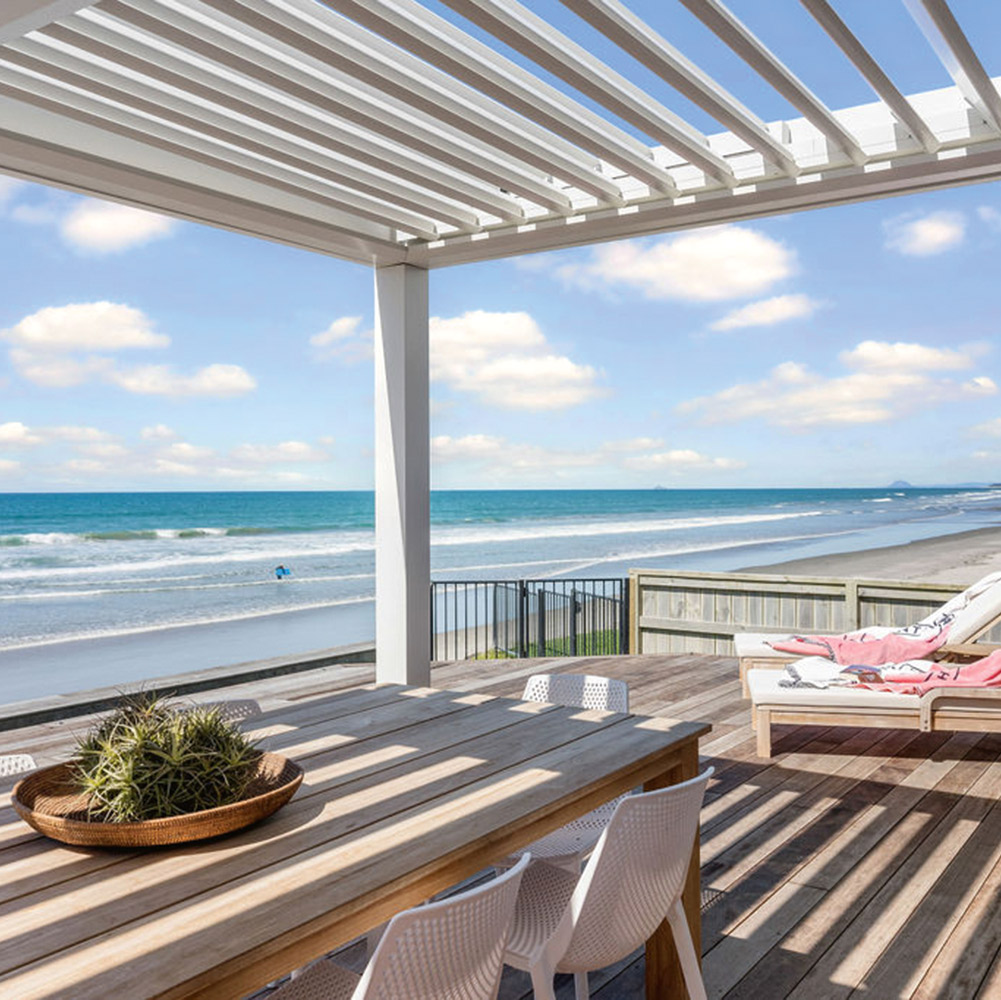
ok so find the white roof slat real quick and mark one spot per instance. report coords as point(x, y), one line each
point(328, 37)
point(105, 39)
point(46, 146)
point(334, 92)
point(953, 48)
point(432, 38)
point(18, 17)
point(846, 40)
point(529, 34)
point(722, 22)
point(91, 109)
point(47, 56)
point(633, 35)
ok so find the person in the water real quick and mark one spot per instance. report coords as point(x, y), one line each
point(281, 572)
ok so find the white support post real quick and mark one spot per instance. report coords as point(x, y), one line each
point(402, 477)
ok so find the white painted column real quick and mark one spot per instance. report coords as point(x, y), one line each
point(402, 476)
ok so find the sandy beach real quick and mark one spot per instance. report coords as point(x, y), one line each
point(960, 558)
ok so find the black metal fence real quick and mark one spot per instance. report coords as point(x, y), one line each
point(474, 619)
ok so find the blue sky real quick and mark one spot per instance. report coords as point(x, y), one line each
point(843, 347)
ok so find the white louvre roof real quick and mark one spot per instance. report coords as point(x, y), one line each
point(382, 132)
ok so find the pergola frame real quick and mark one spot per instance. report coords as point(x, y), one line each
point(378, 132)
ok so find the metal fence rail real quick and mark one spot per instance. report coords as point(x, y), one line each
point(514, 618)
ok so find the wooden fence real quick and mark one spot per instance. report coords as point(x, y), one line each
point(679, 612)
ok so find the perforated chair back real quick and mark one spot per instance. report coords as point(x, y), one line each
point(449, 950)
point(578, 691)
point(635, 875)
point(234, 710)
point(15, 763)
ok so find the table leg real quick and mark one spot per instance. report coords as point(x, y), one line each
point(664, 979)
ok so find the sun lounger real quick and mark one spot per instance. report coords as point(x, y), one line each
point(977, 609)
point(945, 709)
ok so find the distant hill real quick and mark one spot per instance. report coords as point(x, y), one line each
point(900, 484)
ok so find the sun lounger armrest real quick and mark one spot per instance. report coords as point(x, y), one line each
point(931, 699)
point(966, 650)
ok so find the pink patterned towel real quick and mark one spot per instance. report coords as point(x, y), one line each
point(982, 673)
point(864, 649)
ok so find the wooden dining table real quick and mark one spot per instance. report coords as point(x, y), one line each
point(407, 791)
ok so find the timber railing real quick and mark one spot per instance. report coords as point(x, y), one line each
point(679, 612)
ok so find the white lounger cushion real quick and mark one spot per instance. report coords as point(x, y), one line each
point(765, 690)
point(984, 606)
point(758, 643)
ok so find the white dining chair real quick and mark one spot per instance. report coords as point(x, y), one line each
point(16, 763)
point(448, 950)
point(633, 881)
point(570, 844)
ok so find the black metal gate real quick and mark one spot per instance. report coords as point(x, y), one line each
point(486, 619)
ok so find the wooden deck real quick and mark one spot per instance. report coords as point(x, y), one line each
point(855, 863)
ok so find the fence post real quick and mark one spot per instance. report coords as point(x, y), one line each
point(573, 621)
point(852, 609)
point(522, 617)
point(540, 625)
point(635, 644)
point(626, 592)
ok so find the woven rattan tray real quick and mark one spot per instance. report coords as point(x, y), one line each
point(50, 801)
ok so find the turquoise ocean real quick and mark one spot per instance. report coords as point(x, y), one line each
point(80, 566)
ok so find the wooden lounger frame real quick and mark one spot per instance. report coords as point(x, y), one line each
point(946, 709)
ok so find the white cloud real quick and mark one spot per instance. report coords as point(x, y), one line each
point(104, 449)
point(84, 326)
point(499, 459)
point(168, 467)
point(17, 435)
point(9, 465)
point(79, 435)
point(158, 432)
point(680, 460)
point(932, 234)
point(709, 265)
point(89, 466)
point(104, 227)
point(184, 452)
point(991, 428)
point(795, 397)
point(882, 356)
point(287, 451)
point(768, 312)
point(506, 360)
point(343, 340)
point(162, 380)
point(989, 215)
point(8, 187)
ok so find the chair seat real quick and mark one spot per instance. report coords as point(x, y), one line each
point(542, 901)
point(323, 980)
point(567, 845)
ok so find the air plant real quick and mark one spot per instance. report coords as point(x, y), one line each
point(150, 759)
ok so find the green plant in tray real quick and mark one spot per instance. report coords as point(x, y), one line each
point(150, 759)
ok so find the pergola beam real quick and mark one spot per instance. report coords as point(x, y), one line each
point(614, 20)
point(18, 17)
point(332, 91)
point(400, 75)
point(529, 34)
point(848, 42)
point(458, 53)
point(722, 22)
point(946, 37)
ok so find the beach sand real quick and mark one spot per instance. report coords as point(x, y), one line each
point(961, 559)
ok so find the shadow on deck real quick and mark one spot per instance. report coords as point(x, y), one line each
point(855, 862)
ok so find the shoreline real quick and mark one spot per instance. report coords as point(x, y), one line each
point(63, 666)
point(959, 558)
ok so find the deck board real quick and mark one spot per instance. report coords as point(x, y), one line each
point(854, 863)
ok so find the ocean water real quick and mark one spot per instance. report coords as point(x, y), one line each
point(76, 566)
